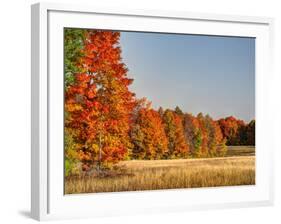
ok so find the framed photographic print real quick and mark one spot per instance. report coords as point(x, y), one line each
point(146, 111)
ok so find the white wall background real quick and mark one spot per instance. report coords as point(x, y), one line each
point(15, 110)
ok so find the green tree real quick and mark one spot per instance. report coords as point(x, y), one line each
point(161, 111)
point(73, 51)
point(72, 163)
point(251, 127)
point(178, 111)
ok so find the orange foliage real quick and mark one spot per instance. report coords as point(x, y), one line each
point(231, 128)
point(149, 133)
point(105, 123)
point(99, 103)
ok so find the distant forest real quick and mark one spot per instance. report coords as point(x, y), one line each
point(106, 123)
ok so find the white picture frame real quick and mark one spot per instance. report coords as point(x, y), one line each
point(47, 198)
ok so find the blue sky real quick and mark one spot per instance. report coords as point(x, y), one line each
point(210, 74)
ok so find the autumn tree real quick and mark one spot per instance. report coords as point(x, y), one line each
point(148, 135)
point(73, 45)
point(204, 134)
point(231, 129)
point(211, 132)
point(178, 148)
point(136, 133)
point(193, 134)
point(216, 142)
point(81, 109)
point(99, 102)
point(181, 145)
point(221, 148)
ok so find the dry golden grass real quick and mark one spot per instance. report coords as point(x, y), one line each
point(170, 174)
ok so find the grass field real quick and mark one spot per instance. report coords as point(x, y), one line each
point(237, 168)
point(240, 151)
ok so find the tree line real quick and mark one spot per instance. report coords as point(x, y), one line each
point(105, 122)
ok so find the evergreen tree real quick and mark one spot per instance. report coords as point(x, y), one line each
point(178, 111)
point(161, 111)
point(251, 127)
